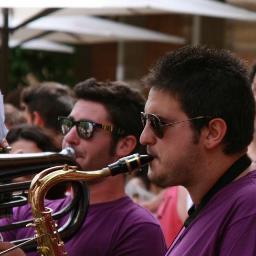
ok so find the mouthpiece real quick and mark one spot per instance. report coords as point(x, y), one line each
point(68, 152)
point(129, 163)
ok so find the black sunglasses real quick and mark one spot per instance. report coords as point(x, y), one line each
point(84, 128)
point(158, 126)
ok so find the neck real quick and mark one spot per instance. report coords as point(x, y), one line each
point(209, 175)
point(107, 190)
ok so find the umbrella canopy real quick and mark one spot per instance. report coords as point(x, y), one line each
point(209, 8)
point(88, 29)
point(43, 45)
point(69, 8)
point(30, 25)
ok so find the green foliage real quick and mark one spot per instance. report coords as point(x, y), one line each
point(44, 66)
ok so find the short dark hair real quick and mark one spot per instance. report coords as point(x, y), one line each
point(32, 133)
point(209, 82)
point(123, 104)
point(51, 100)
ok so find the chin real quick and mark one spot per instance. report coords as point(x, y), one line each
point(158, 180)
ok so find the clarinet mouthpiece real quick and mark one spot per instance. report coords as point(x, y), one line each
point(129, 163)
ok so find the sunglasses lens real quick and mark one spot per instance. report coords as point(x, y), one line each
point(155, 124)
point(85, 129)
point(66, 125)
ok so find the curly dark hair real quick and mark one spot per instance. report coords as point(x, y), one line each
point(123, 104)
point(209, 82)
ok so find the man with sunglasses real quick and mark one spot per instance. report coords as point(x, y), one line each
point(103, 126)
point(198, 122)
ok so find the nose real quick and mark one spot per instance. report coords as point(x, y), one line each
point(147, 136)
point(71, 138)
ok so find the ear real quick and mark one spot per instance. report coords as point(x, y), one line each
point(37, 119)
point(126, 145)
point(214, 133)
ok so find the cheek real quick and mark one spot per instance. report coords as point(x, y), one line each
point(64, 143)
point(93, 155)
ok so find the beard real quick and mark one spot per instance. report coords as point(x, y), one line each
point(176, 169)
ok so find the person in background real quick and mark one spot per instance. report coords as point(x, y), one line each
point(3, 144)
point(43, 103)
point(170, 206)
point(171, 211)
point(104, 126)
point(3, 128)
point(16, 252)
point(27, 138)
point(13, 116)
point(139, 188)
point(198, 123)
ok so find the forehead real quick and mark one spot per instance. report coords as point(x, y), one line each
point(26, 146)
point(162, 103)
point(84, 109)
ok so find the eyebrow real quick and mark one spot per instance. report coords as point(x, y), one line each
point(165, 120)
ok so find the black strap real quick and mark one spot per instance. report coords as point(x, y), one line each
point(234, 171)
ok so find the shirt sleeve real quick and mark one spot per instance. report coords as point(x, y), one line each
point(240, 239)
point(6, 235)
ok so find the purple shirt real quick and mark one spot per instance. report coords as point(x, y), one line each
point(226, 226)
point(115, 228)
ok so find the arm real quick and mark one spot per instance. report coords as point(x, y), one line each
point(16, 252)
point(7, 235)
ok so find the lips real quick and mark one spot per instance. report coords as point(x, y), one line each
point(77, 153)
point(151, 153)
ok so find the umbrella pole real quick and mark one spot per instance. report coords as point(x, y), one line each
point(4, 71)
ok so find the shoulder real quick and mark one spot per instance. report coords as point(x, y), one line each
point(137, 227)
point(240, 191)
point(136, 213)
point(126, 215)
point(244, 189)
point(236, 201)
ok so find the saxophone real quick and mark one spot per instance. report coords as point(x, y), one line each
point(48, 239)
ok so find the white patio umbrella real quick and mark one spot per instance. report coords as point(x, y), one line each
point(88, 29)
point(78, 29)
point(209, 8)
point(42, 45)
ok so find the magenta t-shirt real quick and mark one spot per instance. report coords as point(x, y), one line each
point(115, 228)
point(226, 226)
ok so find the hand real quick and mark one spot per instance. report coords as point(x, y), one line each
point(16, 252)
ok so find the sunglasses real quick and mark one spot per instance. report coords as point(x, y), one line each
point(158, 126)
point(84, 128)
